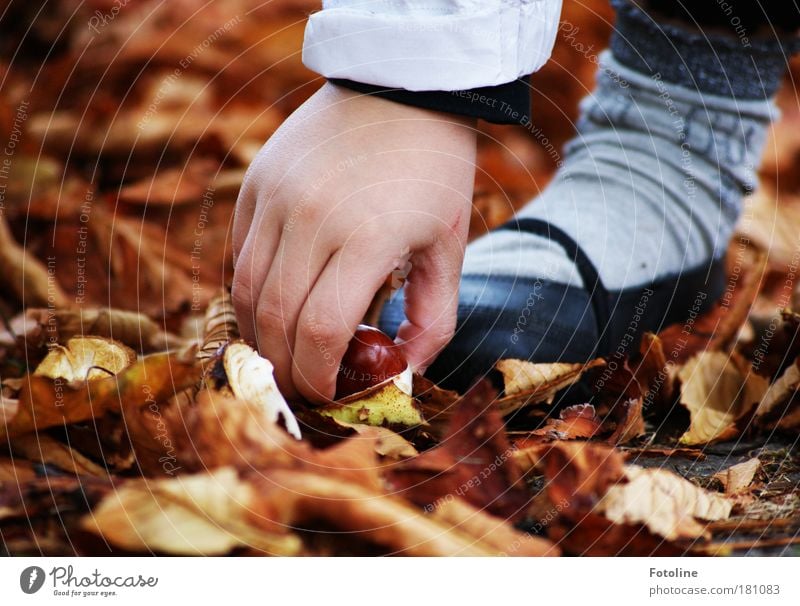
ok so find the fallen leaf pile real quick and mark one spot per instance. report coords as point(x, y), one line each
point(134, 419)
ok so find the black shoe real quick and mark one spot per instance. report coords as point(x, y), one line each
point(544, 321)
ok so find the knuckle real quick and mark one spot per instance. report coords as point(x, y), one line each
point(242, 293)
point(321, 330)
point(269, 317)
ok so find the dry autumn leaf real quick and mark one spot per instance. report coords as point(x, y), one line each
point(45, 402)
point(25, 275)
point(85, 359)
point(387, 442)
point(574, 422)
point(738, 478)
point(474, 461)
point(250, 379)
point(48, 451)
point(778, 407)
point(204, 514)
point(718, 389)
point(390, 404)
point(529, 383)
point(665, 503)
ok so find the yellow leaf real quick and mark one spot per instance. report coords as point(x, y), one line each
point(85, 359)
point(203, 514)
point(530, 383)
point(667, 504)
point(738, 477)
point(718, 389)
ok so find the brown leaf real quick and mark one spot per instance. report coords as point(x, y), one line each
point(578, 474)
point(619, 400)
point(778, 407)
point(131, 328)
point(474, 461)
point(529, 383)
point(437, 404)
point(387, 443)
point(655, 374)
point(718, 389)
point(492, 530)
point(49, 451)
point(41, 496)
point(771, 225)
point(668, 505)
point(574, 422)
point(251, 380)
point(27, 277)
point(173, 186)
point(219, 326)
point(14, 472)
point(47, 403)
point(85, 359)
point(737, 478)
point(274, 487)
point(718, 326)
point(204, 514)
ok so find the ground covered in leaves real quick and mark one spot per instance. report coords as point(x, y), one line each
point(133, 420)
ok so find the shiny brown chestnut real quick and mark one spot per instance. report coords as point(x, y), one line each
point(371, 359)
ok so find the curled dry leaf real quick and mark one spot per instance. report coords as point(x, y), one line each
point(25, 275)
point(387, 442)
point(437, 404)
point(85, 359)
point(474, 461)
point(665, 503)
point(129, 327)
point(718, 389)
point(574, 422)
point(717, 328)
point(738, 478)
point(619, 400)
point(46, 402)
point(492, 530)
point(390, 404)
point(772, 226)
point(204, 514)
point(577, 476)
point(49, 451)
point(219, 326)
point(778, 408)
point(529, 383)
point(172, 186)
point(14, 472)
point(250, 379)
point(655, 373)
point(260, 488)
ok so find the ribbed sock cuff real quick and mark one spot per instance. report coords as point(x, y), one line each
point(727, 65)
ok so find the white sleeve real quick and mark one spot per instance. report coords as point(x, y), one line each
point(431, 44)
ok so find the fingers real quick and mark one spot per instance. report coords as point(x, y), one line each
point(431, 302)
point(297, 264)
point(334, 308)
point(250, 271)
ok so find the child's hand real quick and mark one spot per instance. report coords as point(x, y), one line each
point(344, 192)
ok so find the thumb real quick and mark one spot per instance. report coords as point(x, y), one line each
point(431, 303)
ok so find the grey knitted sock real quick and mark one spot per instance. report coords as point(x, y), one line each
point(667, 147)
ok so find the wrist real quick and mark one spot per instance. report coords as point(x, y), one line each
point(379, 106)
point(502, 104)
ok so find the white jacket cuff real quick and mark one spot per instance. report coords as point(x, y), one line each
point(435, 45)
